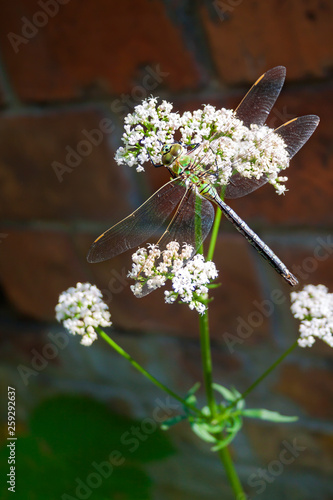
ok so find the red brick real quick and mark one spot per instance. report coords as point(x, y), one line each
point(29, 146)
point(310, 388)
point(35, 267)
point(247, 38)
point(95, 49)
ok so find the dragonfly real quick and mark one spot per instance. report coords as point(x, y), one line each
point(189, 196)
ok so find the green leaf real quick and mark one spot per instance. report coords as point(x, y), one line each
point(235, 426)
point(71, 437)
point(194, 389)
point(203, 434)
point(272, 416)
point(228, 395)
point(224, 442)
point(172, 421)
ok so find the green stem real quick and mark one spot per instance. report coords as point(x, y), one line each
point(207, 361)
point(225, 457)
point(144, 372)
point(224, 453)
point(265, 374)
point(215, 232)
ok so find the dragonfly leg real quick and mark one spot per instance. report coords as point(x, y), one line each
point(156, 165)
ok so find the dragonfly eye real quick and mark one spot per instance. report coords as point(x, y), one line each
point(166, 149)
point(167, 159)
point(176, 150)
point(170, 152)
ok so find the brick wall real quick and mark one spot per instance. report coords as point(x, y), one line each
point(70, 68)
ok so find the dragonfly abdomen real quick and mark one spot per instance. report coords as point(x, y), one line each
point(253, 238)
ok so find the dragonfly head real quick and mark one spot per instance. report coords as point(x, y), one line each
point(170, 152)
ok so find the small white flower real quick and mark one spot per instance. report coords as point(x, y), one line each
point(81, 310)
point(313, 306)
point(189, 277)
point(254, 151)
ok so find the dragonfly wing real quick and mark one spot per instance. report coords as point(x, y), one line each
point(139, 226)
point(258, 102)
point(295, 133)
point(190, 224)
point(239, 185)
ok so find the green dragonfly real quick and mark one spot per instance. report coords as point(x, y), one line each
point(190, 192)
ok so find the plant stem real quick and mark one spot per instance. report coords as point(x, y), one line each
point(225, 457)
point(215, 232)
point(144, 372)
point(264, 375)
point(224, 453)
point(207, 361)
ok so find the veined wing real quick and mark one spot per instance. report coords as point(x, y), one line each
point(138, 226)
point(258, 102)
point(254, 109)
point(256, 105)
point(295, 133)
point(190, 224)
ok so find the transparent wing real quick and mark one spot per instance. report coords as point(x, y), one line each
point(138, 226)
point(295, 133)
point(256, 105)
point(254, 109)
point(258, 102)
point(190, 224)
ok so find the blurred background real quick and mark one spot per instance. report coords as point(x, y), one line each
point(66, 66)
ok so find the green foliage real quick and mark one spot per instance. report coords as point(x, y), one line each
point(76, 446)
point(223, 426)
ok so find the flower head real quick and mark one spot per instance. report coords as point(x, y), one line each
point(189, 276)
point(314, 307)
point(254, 151)
point(81, 310)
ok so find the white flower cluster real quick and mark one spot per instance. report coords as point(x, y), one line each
point(189, 276)
point(314, 307)
point(155, 124)
point(81, 310)
point(253, 151)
